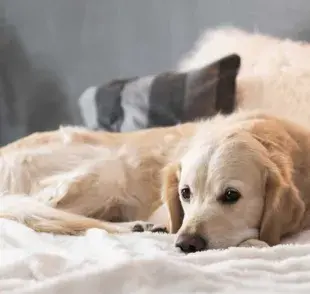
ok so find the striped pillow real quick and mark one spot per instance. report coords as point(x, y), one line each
point(162, 100)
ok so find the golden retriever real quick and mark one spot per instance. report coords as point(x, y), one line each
point(237, 180)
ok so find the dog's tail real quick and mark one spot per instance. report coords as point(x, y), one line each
point(43, 218)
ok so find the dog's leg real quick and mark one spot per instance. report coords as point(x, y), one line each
point(141, 226)
point(253, 243)
point(159, 217)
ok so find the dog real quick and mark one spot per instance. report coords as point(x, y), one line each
point(237, 180)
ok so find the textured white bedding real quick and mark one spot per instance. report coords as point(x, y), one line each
point(143, 263)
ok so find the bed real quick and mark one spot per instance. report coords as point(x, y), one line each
point(144, 263)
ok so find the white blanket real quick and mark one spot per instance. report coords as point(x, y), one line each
point(143, 263)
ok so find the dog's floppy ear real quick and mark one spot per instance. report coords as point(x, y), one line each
point(283, 208)
point(170, 196)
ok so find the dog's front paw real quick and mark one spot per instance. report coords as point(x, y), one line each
point(253, 243)
point(148, 227)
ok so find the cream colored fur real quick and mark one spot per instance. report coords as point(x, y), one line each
point(274, 74)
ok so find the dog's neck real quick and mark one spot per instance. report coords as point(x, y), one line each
point(301, 164)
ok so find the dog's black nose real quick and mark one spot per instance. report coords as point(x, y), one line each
point(191, 243)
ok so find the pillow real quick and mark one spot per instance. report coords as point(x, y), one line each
point(165, 99)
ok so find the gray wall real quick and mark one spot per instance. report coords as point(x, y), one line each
point(60, 47)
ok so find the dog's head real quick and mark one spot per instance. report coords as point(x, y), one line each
point(233, 186)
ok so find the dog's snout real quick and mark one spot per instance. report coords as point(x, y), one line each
point(191, 243)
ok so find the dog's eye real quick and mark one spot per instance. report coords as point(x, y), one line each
point(230, 196)
point(186, 193)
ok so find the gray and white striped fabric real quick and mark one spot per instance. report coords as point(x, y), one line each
point(162, 100)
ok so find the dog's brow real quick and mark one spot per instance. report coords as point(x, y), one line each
point(201, 173)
